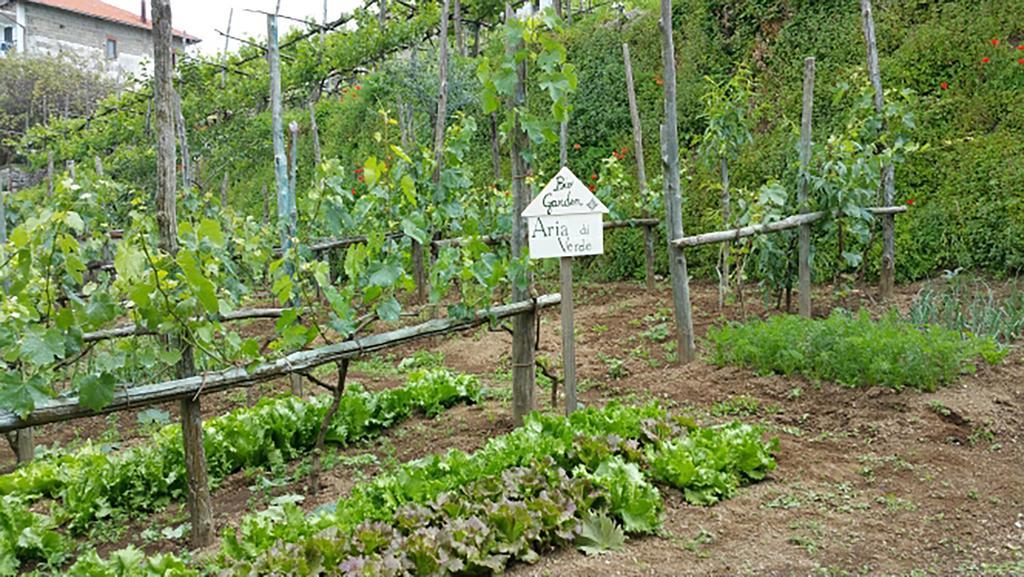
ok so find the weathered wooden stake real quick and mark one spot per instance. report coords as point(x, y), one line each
point(49, 173)
point(887, 185)
point(805, 163)
point(419, 255)
point(649, 256)
point(568, 334)
point(673, 201)
point(286, 216)
point(315, 130)
point(71, 169)
point(186, 158)
point(638, 151)
point(723, 279)
point(224, 191)
point(24, 445)
point(634, 117)
point(495, 148)
point(460, 40)
point(98, 165)
point(199, 503)
point(224, 55)
point(523, 361)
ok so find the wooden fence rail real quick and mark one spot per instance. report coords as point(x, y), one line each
point(69, 408)
point(779, 225)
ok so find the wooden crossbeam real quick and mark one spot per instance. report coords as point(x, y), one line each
point(129, 397)
point(779, 225)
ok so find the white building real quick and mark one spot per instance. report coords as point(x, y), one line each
point(112, 39)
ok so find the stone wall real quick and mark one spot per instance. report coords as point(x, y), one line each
point(21, 178)
point(53, 31)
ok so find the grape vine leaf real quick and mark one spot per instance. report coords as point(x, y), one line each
point(96, 391)
point(40, 347)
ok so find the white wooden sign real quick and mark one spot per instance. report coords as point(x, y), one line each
point(565, 219)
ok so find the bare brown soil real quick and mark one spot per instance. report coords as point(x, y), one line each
point(869, 481)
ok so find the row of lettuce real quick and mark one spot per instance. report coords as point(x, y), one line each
point(590, 479)
point(94, 484)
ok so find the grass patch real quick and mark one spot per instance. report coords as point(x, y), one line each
point(853, 350)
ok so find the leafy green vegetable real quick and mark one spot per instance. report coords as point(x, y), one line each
point(600, 534)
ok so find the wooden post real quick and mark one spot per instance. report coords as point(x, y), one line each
point(568, 334)
point(887, 185)
point(460, 39)
point(673, 202)
point(805, 163)
point(186, 158)
point(266, 204)
point(634, 117)
point(277, 133)
point(199, 504)
point(523, 367)
point(49, 173)
point(649, 256)
point(418, 254)
point(495, 148)
point(98, 165)
point(224, 191)
point(314, 130)
point(723, 279)
point(71, 169)
point(294, 378)
point(285, 186)
point(224, 56)
point(24, 445)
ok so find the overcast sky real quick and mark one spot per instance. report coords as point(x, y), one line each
point(201, 17)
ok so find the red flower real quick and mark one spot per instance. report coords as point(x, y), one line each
point(359, 170)
point(576, 146)
point(593, 188)
point(910, 202)
point(358, 87)
point(995, 42)
point(361, 179)
point(944, 85)
point(1020, 61)
point(593, 177)
point(1021, 47)
point(353, 192)
point(624, 151)
point(659, 81)
point(985, 60)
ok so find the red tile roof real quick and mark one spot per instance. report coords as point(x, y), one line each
point(104, 11)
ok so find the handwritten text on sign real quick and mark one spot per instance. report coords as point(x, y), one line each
point(564, 220)
point(567, 235)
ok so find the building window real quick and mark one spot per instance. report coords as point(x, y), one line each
point(111, 49)
point(9, 34)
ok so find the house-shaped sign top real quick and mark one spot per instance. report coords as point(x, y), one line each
point(564, 195)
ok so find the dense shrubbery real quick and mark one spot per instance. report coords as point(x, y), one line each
point(852, 350)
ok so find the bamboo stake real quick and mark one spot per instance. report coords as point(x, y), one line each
point(199, 503)
point(805, 162)
point(673, 202)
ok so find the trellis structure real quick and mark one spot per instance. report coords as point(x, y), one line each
point(801, 221)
